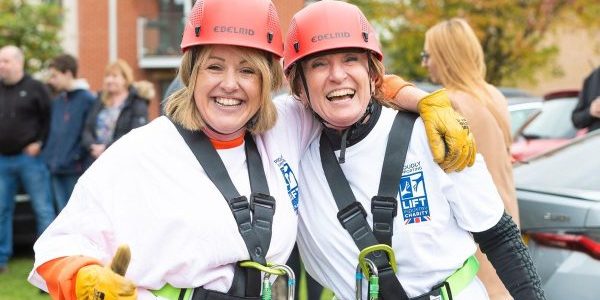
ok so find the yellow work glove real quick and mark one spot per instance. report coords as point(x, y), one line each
point(95, 282)
point(450, 139)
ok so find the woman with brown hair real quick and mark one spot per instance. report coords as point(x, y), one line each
point(369, 185)
point(121, 108)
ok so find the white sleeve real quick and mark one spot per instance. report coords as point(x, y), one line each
point(473, 197)
point(81, 228)
point(297, 122)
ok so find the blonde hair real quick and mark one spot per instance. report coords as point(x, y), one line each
point(122, 67)
point(458, 54)
point(376, 72)
point(460, 64)
point(181, 107)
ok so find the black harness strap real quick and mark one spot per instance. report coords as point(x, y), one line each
point(384, 206)
point(256, 232)
point(352, 214)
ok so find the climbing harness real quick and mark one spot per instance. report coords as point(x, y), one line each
point(376, 256)
point(384, 206)
point(255, 230)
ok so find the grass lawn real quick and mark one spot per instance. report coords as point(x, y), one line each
point(14, 285)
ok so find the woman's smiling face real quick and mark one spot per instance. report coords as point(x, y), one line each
point(227, 92)
point(338, 86)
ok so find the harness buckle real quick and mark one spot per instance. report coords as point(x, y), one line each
point(442, 285)
point(351, 211)
point(385, 203)
point(238, 204)
point(263, 200)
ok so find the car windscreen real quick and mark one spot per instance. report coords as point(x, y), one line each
point(554, 121)
point(575, 166)
point(520, 117)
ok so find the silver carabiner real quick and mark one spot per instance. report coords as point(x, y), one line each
point(359, 276)
point(291, 280)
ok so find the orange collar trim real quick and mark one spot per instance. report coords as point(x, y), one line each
point(219, 145)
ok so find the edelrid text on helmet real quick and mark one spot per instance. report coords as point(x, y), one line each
point(247, 23)
point(329, 36)
point(328, 25)
point(232, 29)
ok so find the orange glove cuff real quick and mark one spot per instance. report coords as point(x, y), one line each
point(392, 84)
point(60, 274)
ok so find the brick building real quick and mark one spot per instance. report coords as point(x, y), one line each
point(145, 33)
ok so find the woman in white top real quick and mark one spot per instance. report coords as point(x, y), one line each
point(431, 219)
point(185, 221)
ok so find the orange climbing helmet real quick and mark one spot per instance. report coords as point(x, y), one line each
point(327, 25)
point(248, 23)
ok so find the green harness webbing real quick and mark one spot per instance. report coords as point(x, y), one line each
point(170, 292)
point(462, 277)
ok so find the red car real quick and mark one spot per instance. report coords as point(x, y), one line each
point(549, 128)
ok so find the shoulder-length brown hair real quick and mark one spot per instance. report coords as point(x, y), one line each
point(181, 107)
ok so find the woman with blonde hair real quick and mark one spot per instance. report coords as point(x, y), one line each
point(197, 191)
point(454, 58)
point(120, 108)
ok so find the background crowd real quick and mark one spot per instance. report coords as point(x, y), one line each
point(51, 132)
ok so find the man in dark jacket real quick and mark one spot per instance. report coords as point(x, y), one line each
point(24, 123)
point(63, 152)
point(587, 112)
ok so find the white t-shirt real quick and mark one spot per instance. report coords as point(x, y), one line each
point(431, 231)
point(149, 191)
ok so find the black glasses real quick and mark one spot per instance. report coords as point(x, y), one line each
point(424, 56)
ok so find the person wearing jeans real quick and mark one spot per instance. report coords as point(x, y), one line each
point(35, 178)
point(65, 156)
point(24, 123)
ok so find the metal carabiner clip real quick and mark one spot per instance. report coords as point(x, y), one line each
point(372, 276)
point(291, 280)
point(273, 269)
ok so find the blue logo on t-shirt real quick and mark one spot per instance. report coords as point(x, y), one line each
point(290, 181)
point(415, 207)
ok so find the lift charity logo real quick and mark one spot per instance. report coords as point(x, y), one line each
point(413, 198)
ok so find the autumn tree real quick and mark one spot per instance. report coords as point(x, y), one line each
point(511, 32)
point(34, 27)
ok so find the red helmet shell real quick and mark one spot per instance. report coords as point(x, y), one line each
point(328, 25)
point(247, 23)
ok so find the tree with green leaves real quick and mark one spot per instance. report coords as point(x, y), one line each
point(34, 27)
point(512, 32)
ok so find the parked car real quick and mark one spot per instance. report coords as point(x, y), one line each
point(559, 203)
point(521, 110)
point(549, 128)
